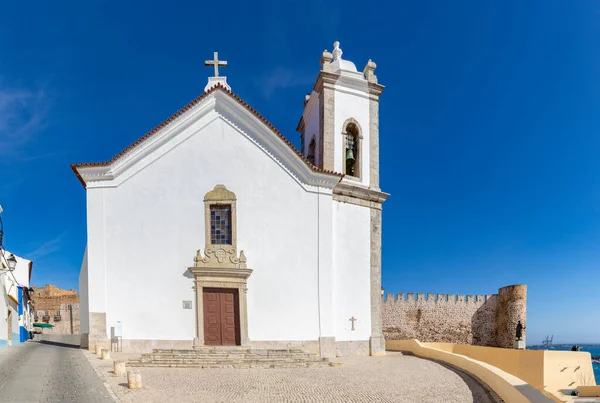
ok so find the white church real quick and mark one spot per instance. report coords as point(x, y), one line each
point(213, 229)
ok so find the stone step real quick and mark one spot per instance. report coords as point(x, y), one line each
point(248, 356)
point(228, 350)
point(216, 360)
point(240, 365)
point(229, 357)
point(187, 359)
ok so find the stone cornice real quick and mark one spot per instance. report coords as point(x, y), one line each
point(376, 89)
point(345, 83)
point(359, 195)
point(219, 272)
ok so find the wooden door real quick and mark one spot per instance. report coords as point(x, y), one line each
point(221, 317)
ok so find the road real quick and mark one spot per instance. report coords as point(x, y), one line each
point(49, 372)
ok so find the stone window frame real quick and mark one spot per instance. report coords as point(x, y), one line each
point(221, 196)
point(358, 137)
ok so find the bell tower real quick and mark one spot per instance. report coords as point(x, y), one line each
point(340, 124)
point(340, 132)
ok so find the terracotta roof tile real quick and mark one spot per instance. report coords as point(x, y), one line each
point(165, 123)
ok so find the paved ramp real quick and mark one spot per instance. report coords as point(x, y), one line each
point(49, 372)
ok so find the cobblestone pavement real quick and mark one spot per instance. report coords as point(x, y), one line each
point(391, 378)
point(43, 372)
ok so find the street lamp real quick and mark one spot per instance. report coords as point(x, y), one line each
point(31, 291)
point(12, 262)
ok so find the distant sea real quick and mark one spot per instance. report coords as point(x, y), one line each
point(595, 351)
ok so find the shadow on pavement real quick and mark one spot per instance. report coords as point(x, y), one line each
point(57, 344)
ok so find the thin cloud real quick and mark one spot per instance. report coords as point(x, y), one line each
point(47, 248)
point(22, 114)
point(282, 78)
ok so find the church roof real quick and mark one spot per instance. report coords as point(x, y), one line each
point(175, 116)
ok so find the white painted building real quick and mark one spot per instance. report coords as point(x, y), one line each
point(214, 229)
point(16, 311)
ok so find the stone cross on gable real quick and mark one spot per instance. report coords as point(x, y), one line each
point(215, 63)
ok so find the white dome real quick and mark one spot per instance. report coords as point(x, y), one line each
point(338, 63)
point(344, 65)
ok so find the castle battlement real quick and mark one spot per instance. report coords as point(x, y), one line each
point(481, 319)
point(435, 298)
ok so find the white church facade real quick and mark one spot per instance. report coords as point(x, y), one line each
point(213, 229)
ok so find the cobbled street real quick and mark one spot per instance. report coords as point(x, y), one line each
point(394, 378)
point(44, 372)
point(53, 372)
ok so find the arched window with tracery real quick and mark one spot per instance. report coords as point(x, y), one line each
point(352, 150)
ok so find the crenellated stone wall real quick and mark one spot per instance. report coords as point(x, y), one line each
point(483, 320)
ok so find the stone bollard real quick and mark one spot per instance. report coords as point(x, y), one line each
point(134, 379)
point(92, 348)
point(98, 349)
point(119, 368)
point(105, 354)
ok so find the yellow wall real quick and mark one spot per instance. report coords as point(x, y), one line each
point(547, 371)
point(589, 391)
point(525, 364)
point(567, 370)
point(503, 384)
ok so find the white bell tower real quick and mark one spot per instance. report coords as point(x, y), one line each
point(340, 123)
point(340, 132)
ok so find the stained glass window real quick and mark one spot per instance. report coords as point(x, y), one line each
point(220, 224)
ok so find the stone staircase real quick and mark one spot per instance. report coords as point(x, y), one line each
point(230, 357)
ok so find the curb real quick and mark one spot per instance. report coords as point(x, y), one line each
point(106, 385)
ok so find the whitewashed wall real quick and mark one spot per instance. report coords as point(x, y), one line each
point(146, 232)
point(311, 126)
point(351, 105)
point(14, 307)
point(9, 286)
point(96, 277)
point(3, 313)
point(84, 305)
point(21, 272)
point(352, 271)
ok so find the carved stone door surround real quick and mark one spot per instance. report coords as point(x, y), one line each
point(220, 266)
point(229, 273)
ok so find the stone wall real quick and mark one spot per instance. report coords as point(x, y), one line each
point(488, 320)
point(65, 323)
point(61, 307)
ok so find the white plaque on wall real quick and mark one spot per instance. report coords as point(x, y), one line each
point(187, 304)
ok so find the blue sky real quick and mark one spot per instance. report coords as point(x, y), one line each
point(489, 126)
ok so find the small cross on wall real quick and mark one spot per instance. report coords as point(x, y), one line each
point(352, 319)
point(215, 63)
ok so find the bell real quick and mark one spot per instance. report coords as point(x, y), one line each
point(350, 157)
